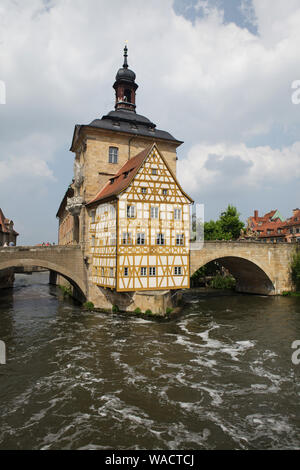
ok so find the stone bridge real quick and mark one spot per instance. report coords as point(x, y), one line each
point(67, 261)
point(259, 268)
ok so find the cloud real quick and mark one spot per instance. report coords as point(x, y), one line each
point(223, 89)
point(27, 159)
point(248, 177)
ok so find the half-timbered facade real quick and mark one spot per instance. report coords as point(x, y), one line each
point(139, 228)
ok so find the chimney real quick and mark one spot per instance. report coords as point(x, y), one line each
point(255, 214)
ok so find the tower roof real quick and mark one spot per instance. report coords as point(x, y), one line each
point(125, 74)
point(124, 118)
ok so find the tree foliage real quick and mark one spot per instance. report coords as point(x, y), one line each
point(227, 227)
point(296, 270)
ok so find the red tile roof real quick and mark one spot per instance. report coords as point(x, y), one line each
point(122, 179)
point(4, 224)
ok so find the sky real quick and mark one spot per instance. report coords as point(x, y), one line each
point(216, 74)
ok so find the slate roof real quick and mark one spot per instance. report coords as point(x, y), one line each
point(128, 122)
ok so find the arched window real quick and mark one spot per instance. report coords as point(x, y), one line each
point(127, 95)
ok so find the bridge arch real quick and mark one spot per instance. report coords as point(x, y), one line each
point(251, 276)
point(73, 279)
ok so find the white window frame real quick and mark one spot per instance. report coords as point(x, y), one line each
point(140, 238)
point(180, 239)
point(126, 238)
point(177, 213)
point(113, 155)
point(154, 212)
point(160, 239)
point(130, 211)
point(177, 271)
point(152, 270)
point(143, 271)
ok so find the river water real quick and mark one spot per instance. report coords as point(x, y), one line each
point(219, 376)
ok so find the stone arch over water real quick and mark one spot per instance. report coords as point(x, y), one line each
point(76, 282)
point(250, 277)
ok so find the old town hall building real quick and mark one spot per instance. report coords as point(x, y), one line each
point(125, 205)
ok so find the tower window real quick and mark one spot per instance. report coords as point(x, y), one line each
point(127, 95)
point(113, 155)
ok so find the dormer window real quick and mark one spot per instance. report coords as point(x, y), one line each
point(112, 180)
point(126, 174)
point(113, 155)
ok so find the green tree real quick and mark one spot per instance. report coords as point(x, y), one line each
point(230, 222)
point(227, 227)
point(296, 270)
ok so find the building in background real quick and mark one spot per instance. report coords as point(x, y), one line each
point(273, 228)
point(7, 233)
point(292, 227)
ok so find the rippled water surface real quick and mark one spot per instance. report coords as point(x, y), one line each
point(219, 376)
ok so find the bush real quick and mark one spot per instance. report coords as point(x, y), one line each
point(148, 312)
point(221, 282)
point(295, 268)
point(169, 310)
point(66, 290)
point(88, 306)
point(115, 309)
point(138, 310)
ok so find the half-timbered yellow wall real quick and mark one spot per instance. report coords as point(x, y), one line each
point(164, 258)
point(102, 239)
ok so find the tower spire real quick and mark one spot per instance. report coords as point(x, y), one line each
point(125, 86)
point(125, 65)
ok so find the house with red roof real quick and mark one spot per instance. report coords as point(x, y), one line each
point(273, 228)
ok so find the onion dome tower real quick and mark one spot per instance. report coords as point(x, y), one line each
point(125, 87)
